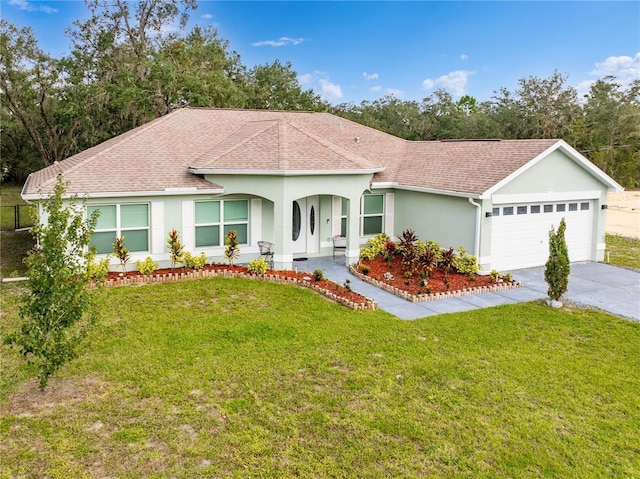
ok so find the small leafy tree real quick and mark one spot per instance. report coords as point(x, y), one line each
point(57, 308)
point(231, 250)
point(121, 252)
point(176, 250)
point(557, 267)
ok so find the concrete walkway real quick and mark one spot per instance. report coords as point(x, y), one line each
point(597, 285)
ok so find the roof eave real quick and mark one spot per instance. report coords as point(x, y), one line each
point(397, 186)
point(130, 194)
point(278, 172)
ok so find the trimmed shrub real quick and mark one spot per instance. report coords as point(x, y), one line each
point(194, 262)
point(146, 267)
point(258, 266)
point(466, 263)
point(376, 246)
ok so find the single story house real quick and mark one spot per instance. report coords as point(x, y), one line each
point(297, 179)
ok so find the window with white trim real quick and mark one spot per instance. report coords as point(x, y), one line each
point(535, 209)
point(214, 220)
point(584, 206)
point(522, 210)
point(507, 211)
point(372, 215)
point(560, 207)
point(573, 206)
point(130, 221)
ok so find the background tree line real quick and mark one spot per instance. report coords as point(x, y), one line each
point(126, 67)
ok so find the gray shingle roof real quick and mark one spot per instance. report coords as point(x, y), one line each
point(158, 156)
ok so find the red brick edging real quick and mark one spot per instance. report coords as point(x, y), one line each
point(369, 305)
point(419, 298)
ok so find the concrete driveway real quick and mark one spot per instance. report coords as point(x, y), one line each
point(597, 285)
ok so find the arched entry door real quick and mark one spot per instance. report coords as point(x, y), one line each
point(305, 225)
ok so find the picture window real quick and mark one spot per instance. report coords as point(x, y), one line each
point(130, 221)
point(214, 220)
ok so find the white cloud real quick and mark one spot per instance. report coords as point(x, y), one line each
point(330, 91)
point(376, 88)
point(624, 68)
point(281, 42)
point(305, 79)
point(464, 57)
point(396, 93)
point(206, 16)
point(370, 76)
point(30, 7)
point(455, 82)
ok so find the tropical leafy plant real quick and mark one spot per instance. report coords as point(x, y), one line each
point(448, 261)
point(232, 249)
point(408, 250)
point(121, 252)
point(176, 250)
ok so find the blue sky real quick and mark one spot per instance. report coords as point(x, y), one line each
point(355, 51)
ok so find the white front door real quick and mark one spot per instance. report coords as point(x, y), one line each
point(305, 225)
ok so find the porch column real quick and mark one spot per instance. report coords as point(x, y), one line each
point(282, 224)
point(352, 253)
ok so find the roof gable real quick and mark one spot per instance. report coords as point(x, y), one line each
point(278, 145)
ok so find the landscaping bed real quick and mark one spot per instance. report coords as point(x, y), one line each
point(341, 294)
point(423, 271)
point(436, 288)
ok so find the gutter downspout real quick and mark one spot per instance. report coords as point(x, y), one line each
point(476, 245)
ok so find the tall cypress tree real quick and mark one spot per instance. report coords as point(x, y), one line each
point(557, 267)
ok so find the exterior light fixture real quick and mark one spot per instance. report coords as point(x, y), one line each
point(488, 214)
point(605, 207)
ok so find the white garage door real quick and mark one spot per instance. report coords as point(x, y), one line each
point(520, 232)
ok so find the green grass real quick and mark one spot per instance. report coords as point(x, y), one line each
point(9, 197)
point(221, 377)
point(13, 244)
point(623, 251)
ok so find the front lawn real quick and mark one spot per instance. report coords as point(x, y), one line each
point(229, 377)
point(623, 251)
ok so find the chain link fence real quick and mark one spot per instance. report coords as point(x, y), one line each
point(15, 217)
